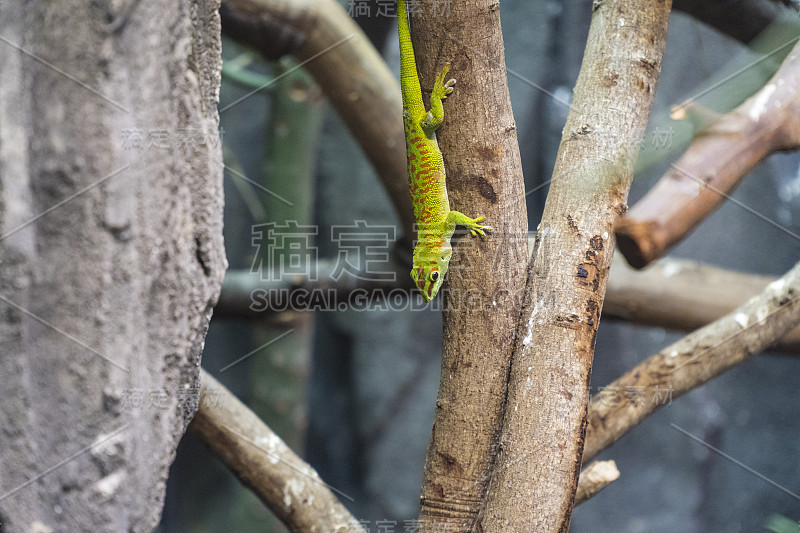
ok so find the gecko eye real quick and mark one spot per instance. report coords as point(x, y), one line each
point(434, 276)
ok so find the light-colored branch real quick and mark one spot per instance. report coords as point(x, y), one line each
point(595, 478)
point(683, 295)
point(539, 458)
point(289, 486)
point(692, 361)
point(351, 73)
point(712, 167)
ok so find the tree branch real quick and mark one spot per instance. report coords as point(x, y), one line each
point(692, 361)
point(249, 296)
point(683, 295)
point(484, 177)
point(352, 74)
point(286, 484)
point(671, 293)
point(595, 478)
point(713, 166)
point(283, 481)
point(539, 458)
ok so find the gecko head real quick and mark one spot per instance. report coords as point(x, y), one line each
point(428, 275)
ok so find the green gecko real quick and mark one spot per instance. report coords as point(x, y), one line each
point(426, 178)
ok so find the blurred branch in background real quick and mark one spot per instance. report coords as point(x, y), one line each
point(263, 462)
point(279, 376)
point(724, 90)
point(781, 524)
point(235, 70)
point(671, 293)
point(692, 361)
point(741, 19)
point(250, 296)
point(683, 295)
point(354, 77)
point(713, 166)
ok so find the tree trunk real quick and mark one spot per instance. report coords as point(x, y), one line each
point(486, 277)
point(110, 253)
point(539, 452)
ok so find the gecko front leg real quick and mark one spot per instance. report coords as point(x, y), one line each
point(441, 90)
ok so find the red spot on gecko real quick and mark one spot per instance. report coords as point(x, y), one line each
point(421, 278)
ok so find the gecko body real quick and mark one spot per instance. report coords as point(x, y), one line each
point(436, 222)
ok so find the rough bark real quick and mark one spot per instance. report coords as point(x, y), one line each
point(263, 462)
point(692, 361)
point(713, 166)
point(539, 458)
point(486, 276)
point(111, 253)
point(354, 77)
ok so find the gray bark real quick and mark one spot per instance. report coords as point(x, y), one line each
point(110, 253)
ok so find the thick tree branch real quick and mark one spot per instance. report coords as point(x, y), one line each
point(352, 74)
point(713, 166)
point(484, 177)
point(539, 458)
point(289, 486)
point(692, 361)
point(111, 253)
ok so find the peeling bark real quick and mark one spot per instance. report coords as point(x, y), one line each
point(594, 478)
